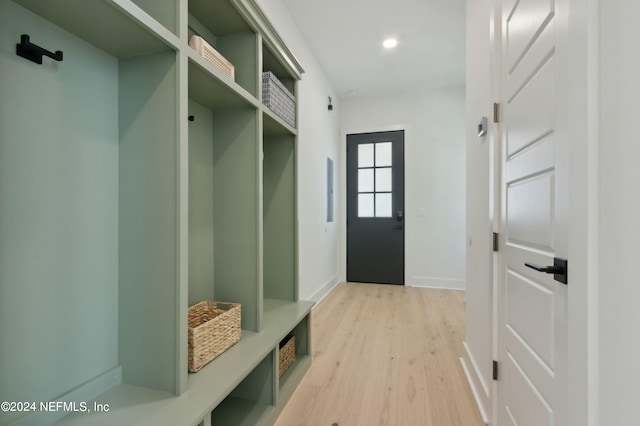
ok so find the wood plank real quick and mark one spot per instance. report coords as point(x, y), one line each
point(385, 355)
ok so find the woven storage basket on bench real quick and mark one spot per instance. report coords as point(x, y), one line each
point(213, 328)
point(287, 354)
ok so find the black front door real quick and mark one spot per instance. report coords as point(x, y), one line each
point(375, 207)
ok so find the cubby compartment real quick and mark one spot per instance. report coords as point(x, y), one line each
point(278, 104)
point(201, 196)
point(289, 380)
point(271, 62)
point(148, 239)
point(87, 212)
point(220, 24)
point(163, 11)
point(223, 208)
point(279, 215)
point(136, 180)
point(252, 400)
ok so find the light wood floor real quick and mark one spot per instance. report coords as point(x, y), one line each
point(385, 355)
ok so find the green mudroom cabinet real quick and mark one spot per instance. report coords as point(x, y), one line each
point(137, 179)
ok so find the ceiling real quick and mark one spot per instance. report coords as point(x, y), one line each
point(346, 37)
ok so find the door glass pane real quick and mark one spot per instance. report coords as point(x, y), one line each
point(365, 155)
point(383, 205)
point(383, 180)
point(383, 154)
point(365, 205)
point(365, 180)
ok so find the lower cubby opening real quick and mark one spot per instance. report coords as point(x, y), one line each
point(252, 400)
point(241, 412)
point(294, 373)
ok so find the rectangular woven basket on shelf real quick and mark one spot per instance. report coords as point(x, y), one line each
point(207, 51)
point(287, 354)
point(278, 98)
point(213, 328)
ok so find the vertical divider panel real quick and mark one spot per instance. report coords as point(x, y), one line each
point(259, 68)
point(296, 223)
point(148, 240)
point(260, 216)
point(235, 213)
point(303, 336)
point(183, 212)
point(182, 22)
point(275, 383)
point(260, 176)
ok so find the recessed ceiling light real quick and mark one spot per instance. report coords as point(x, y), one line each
point(390, 43)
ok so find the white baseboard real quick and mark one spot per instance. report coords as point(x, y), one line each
point(440, 283)
point(478, 386)
point(324, 291)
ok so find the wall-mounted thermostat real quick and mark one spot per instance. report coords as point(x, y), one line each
point(482, 127)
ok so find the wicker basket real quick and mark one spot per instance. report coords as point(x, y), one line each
point(278, 98)
point(213, 328)
point(287, 353)
point(207, 51)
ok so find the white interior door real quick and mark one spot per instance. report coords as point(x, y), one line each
point(532, 326)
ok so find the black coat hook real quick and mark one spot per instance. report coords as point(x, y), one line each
point(34, 53)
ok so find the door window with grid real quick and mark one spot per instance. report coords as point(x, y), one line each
point(375, 193)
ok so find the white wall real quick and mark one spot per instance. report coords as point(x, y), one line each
point(318, 139)
point(619, 224)
point(435, 168)
point(478, 344)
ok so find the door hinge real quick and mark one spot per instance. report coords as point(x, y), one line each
point(496, 241)
point(495, 370)
point(496, 112)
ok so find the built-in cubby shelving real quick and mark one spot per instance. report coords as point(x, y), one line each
point(137, 179)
